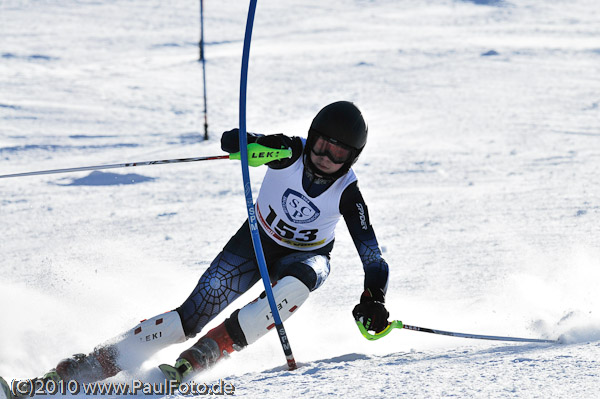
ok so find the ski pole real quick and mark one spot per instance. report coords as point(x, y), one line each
point(257, 155)
point(203, 60)
point(398, 324)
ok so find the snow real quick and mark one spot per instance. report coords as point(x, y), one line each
point(480, 175)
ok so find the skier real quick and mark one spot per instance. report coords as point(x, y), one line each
point(299, 204)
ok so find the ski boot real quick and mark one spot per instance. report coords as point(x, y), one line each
point(214, 346)
point(98, 365)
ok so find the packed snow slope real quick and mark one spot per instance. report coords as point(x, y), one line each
point(481, 176)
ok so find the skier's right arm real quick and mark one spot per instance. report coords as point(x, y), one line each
point(230, 143)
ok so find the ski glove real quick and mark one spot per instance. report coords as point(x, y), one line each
point(230, 140)
point(371, 311)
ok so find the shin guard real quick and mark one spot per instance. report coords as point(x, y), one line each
point(255, 319)
point(124, 352)
point(147, 338)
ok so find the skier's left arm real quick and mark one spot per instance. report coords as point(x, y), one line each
point(371, 309)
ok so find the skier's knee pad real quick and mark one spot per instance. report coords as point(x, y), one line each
point(147, 338)
point(255, 319)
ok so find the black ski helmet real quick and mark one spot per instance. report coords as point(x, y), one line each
point(340, 122)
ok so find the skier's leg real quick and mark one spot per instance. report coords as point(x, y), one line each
point(228, 277)
point(297, 274)
point(123, 352)
point(231, 273)
point(243, 327)
point(309, 267)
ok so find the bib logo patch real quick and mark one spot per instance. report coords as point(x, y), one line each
point(299, 208)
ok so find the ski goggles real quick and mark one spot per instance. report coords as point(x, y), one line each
point(334, 150)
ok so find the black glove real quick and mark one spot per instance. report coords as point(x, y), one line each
point(230, 140)
point(371, 311)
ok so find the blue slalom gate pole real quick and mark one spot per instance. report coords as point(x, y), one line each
point(260, 257)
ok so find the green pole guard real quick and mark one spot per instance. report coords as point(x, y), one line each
point(259, 154)
point(381, 334)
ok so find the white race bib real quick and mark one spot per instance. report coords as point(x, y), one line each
point(292, 218)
